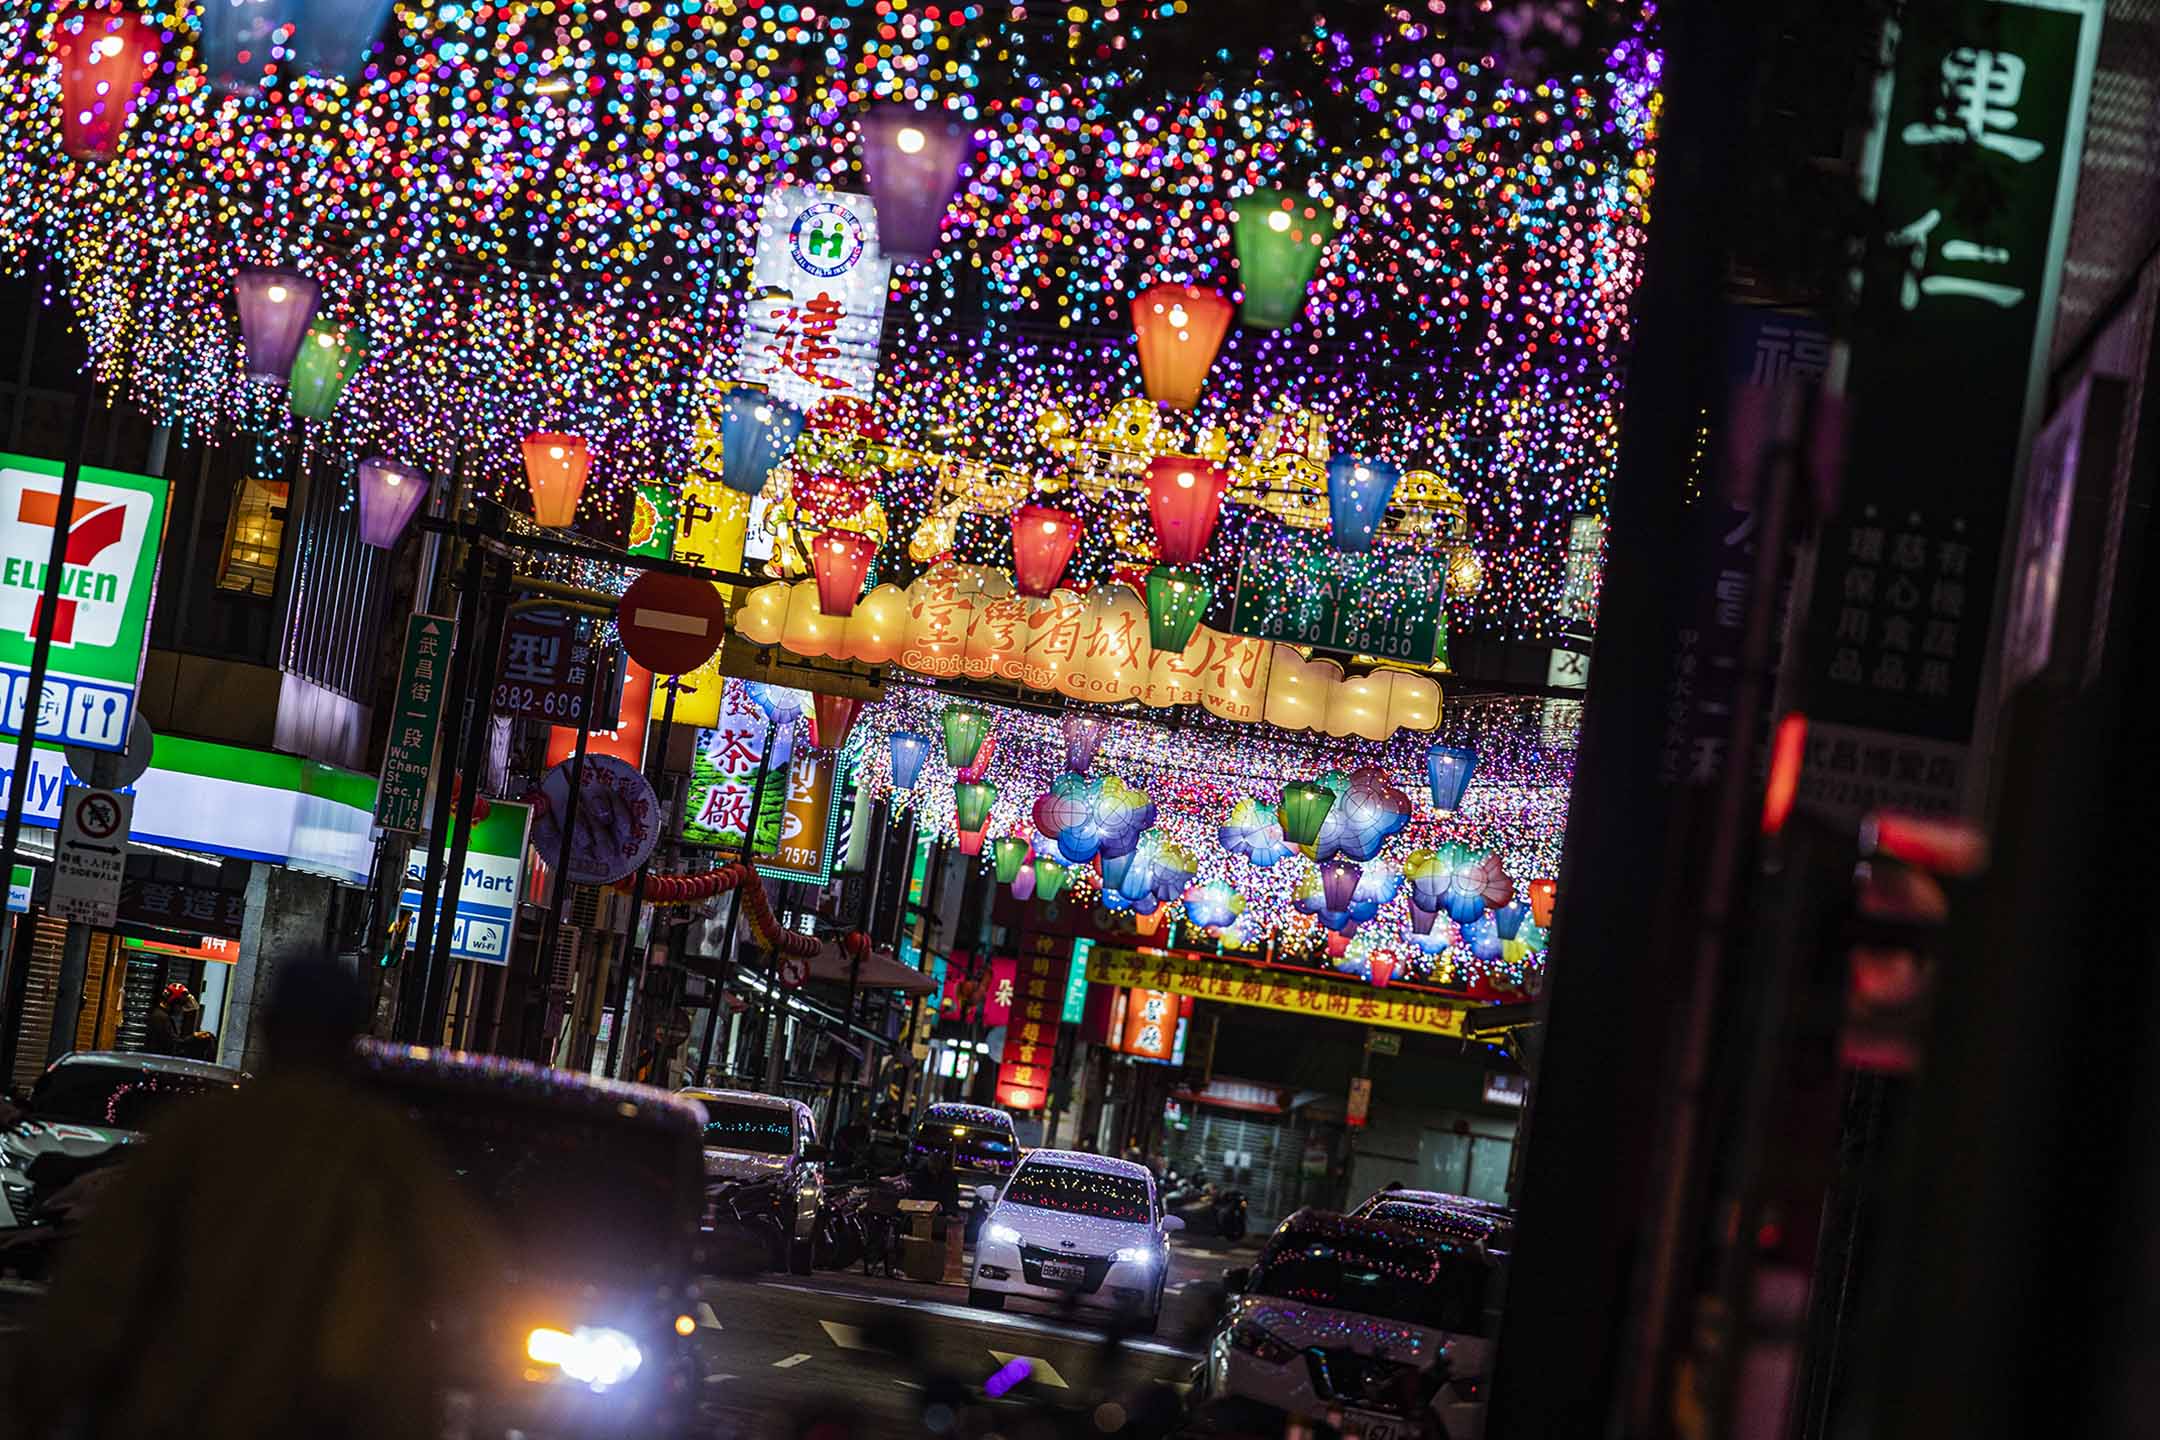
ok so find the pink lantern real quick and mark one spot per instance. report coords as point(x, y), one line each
point(913, 159)
point(106, 57)
point(973, 772)
point(1043, 541)
point(841, 559)
point(1338, 944)
point(1185, 498)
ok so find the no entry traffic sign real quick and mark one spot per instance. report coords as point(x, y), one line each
point(671, 624)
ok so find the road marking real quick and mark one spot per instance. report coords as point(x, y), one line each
point(790, 1363)
point(847, 1337)
point(988, 1319)
point(1041, 1371)
point(718, 1379)
point(705, 1318)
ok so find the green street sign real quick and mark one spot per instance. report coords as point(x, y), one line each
point(402, 796)
point(1390, 606)
point(110, 562)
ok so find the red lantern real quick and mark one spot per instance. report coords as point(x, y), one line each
point(1383, 970)
point(1180, 329)
point(555, 469)
point(841, 559)
point(971, 841)
point(831, 718)
point(1338, 944)
point(1043, 541)
point(106, 57)
point(1184, 497)
point(1542, 895)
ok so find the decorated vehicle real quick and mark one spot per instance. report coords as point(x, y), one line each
point(978, 1141)
point(1378, 1328)
point(1074, 1229)
point(764, 1176)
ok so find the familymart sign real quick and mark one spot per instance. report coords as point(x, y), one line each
point(112, 533)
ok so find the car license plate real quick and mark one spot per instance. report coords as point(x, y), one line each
point(1063, 1272)
point(1374, 1427)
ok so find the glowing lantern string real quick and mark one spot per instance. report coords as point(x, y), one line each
point(913, 160)
point(106, 57)
point(1042, 544)
point(276, 307)
point(556, 467)
point(1180, 328)
point(319, 371)
point(1279, 240)
point(1358, 491)
point(390, 494)
point(1185, 497)
point(841, 561)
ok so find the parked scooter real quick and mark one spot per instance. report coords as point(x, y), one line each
point(1204, 1209)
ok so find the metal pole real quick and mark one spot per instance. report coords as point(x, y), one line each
point(483, 660)
point(418, 984)
point(18, 979)
point(627, 987)
point(854, 974)
point(558, 874)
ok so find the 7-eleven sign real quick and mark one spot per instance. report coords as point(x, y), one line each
point(113, 532)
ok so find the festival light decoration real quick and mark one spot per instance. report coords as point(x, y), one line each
point(390, 495)
point(1358, 491)
point(106, 55)
point(832, 719)
point(1185, 497)
point(1176, 599)
point(757, 430)
point(1304, 809)
point(1253, 832)
point(912, 157)
point(1180, 328)
point(1050, 878)
point(1083, 736)
point(556, 467)
point(332, 37)
point(1042, 545)
point(319, 370)
point(841, 560)
point(908, 751)
point(1447, 770)
point(1279, 238)
point(1007, 853)
point(276, 307)
point(966, 728)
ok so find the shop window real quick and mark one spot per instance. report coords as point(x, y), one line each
point(254, 534)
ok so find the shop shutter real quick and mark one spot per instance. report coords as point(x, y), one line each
point(47, 946)
point(1269, 1182)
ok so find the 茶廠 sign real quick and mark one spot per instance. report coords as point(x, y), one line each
point(113, 534)
point(1389, 606)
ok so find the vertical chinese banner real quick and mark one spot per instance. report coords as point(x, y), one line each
point(1974, 168)
point(724, 776)
point(820, 279)
point(1151, 1018)
point(1031, 1032)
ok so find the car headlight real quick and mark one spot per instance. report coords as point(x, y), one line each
point(1002, 1234)
point(591, 1354)
point(1135, 1255)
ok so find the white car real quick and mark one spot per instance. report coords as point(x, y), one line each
point(1376, 1329)
point(1074, 1228)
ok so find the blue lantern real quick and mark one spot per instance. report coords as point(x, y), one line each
point(333, 37)
point(1447, 769)
point(757, 430)
point(1114, 868)
point(1358, 491)
point(908, 752)
point(1508, 919)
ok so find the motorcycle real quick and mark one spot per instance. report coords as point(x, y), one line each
point(1205, 1209)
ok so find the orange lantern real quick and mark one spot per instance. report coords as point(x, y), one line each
point(555, 470)
point(1542, 895)
point(1180, 329)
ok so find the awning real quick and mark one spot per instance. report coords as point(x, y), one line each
point(1245, 1095)
point(878, 971)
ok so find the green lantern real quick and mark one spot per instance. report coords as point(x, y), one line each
point(972, 800)
point(1176, 599)
point(1304, 809)
point(1049, 879)
point(966, 727)
point(319, 371)
point(1279, 239)
point(1009, 853)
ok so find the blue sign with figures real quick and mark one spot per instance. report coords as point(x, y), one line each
point(486, 922)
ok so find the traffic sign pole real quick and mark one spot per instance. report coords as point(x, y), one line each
point(558, 876)
point(18, 978)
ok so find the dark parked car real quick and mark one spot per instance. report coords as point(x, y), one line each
point(764, 1177)
point(598, 1183)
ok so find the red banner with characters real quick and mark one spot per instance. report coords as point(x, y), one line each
point(1031, 1032)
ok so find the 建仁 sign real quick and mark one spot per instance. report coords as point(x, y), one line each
point(1390, 606)
point(820, 281)
point(409, 753)
point(113, 536)
point(1286, 990)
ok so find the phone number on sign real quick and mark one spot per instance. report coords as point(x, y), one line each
point(529, 700)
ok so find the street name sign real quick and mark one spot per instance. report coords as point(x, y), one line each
point(410, 754)
point(1388, 606)
point(113, 534)
point(90, 858)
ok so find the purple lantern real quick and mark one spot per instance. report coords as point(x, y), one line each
point(913, 159)
point(1422, 918)
point(389, 494)
point(1338, 882)
point(1083, 737)
point(276, 308)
